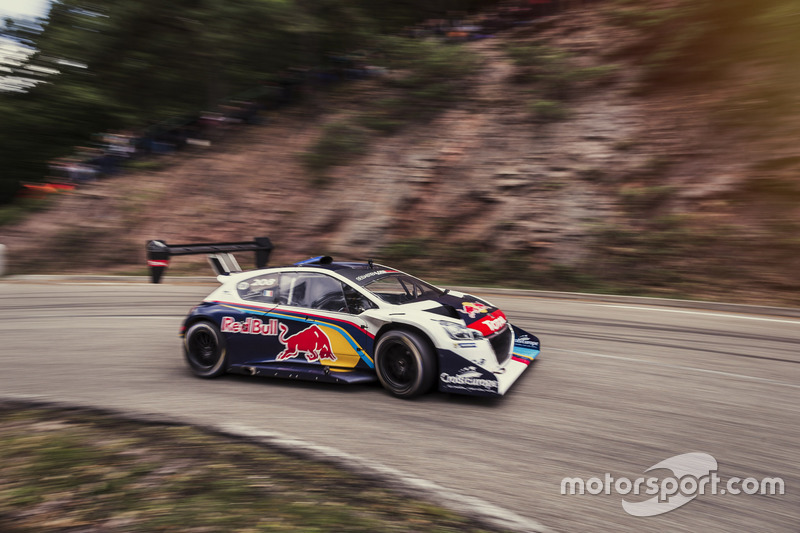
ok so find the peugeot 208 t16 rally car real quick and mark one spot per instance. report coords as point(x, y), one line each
point(322, 320)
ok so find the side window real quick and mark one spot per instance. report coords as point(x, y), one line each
point(262, 288)
point(392, 289)
point(326, 293)
point(315, 291)
point(291, 289)
point(357, 303)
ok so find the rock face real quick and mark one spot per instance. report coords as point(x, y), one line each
point(481, 174)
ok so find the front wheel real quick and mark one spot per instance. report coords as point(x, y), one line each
point(204, 348)
point(405, 363)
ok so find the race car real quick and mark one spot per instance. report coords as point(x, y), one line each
point(354, 322)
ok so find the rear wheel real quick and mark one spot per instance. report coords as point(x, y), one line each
point(204, 348)
point(405, 363)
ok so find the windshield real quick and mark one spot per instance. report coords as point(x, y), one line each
point(401, 288)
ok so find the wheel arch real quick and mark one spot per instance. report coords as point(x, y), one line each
point(393, 326)
point(194, 319)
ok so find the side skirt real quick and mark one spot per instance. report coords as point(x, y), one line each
point(306, 373)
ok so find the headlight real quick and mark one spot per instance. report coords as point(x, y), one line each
point(459, 332)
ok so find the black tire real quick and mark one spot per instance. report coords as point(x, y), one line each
point(204, 348)
point(405, 363)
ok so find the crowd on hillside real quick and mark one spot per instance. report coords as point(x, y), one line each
point(507, 15)
point(112, 151)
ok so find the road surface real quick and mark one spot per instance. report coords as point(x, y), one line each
point(617, 389)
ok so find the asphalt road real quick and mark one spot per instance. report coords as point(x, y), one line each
point(617, 389)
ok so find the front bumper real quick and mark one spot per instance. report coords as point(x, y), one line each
point(460, 375)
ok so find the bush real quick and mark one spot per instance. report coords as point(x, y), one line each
point(646, 199)
point(431, 71)
point(17, 211)
point(339, 143)
point(427, 77)
point(547, 110)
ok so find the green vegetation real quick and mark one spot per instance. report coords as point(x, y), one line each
point(17, 211)
point(105, 66)
point(338, 143)
point(547, 110)
point(476, 265)
point(64, 470)
point(642, 201)
point(426, 78)
point(553, 77)
point(657, 255)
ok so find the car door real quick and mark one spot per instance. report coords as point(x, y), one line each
point(251, 331)
point(317, 325)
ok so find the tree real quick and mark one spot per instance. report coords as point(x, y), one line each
point(102, 65)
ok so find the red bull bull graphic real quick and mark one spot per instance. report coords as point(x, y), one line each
point(312, 341)
point(473, 308)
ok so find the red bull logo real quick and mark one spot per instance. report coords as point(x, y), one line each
point(312, 342)
point(251, 326)
point(473, 308)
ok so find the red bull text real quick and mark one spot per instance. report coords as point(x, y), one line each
point(252, 326)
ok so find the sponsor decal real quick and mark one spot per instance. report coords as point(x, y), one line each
point(496, 324)
point(470, 377)
point(473, 308)
point(526, 341)
point(373, 273)
point(250, 326)
point(467, 345)
point(158, 262)
point(268, 282)
point(491, 323)
point(243, 286)
point(312, 342)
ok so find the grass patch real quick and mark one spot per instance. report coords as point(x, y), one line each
point(63, 470)
point(641, 200)
point(547, 110)
point(152, 163)
point(17, 212)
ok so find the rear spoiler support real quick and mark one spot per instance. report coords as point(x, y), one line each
point(219, 255)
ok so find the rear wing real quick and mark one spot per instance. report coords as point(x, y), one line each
point(219, 255)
